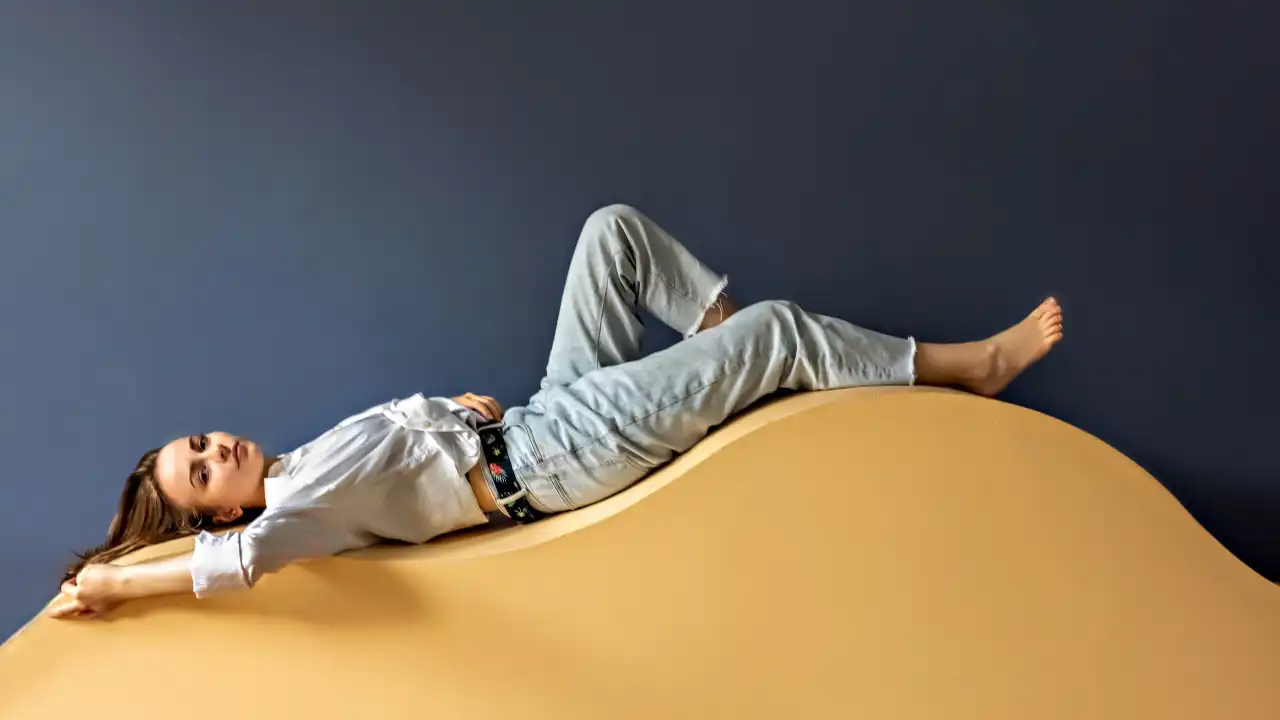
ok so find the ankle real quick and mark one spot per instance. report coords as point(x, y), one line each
point(960, 364)
point(719, 311)
point(987, 361)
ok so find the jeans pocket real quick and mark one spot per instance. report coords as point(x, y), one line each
point(577, 475)
point(529, 462)
point(591, 475)
point(521, 446)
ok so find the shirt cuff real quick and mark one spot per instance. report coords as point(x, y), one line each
point(215, 564)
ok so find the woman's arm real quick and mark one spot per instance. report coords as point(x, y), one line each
point(99, 588)
point(220, 563)
point(170, 576)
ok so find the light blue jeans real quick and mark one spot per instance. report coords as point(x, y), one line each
point(605, 416)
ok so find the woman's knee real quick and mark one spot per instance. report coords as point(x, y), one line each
point(603, 232)
point(605, 221)
point(767, 320)
point(769, 312)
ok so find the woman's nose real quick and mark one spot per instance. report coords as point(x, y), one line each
point(224, 453)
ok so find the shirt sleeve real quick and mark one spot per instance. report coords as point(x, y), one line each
point(236, 560)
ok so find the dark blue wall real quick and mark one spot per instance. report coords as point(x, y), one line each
point(261, 217)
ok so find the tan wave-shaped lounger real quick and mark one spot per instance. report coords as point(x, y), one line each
point(873, 553)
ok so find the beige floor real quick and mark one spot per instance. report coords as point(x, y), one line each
point(855, 554)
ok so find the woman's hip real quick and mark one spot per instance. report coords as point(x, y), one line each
point(569, 460)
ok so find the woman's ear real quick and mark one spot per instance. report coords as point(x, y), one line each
point(229, 515)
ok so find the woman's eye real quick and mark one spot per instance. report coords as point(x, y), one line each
point(203, 442)
point(204, 477)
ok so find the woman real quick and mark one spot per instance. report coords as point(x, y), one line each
point(413, 469)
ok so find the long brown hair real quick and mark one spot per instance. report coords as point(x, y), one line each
point(144, 517)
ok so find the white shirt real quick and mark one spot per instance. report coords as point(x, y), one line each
point(396, 471)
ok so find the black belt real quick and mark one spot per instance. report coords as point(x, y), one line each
point(507, 490)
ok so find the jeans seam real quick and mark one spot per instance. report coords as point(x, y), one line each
point(613, 261)
point(613, 270)
point(662, 279)
point(604, 289)
point(555, 483)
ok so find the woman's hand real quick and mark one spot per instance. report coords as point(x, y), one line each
point(90, 594)
point(488, 408)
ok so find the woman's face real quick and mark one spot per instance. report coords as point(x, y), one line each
point(217, 473)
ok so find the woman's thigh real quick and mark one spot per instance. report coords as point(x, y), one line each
point(594, 437)
point(568, 460)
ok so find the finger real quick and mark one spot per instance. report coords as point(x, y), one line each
point(479, 408)
point(482, 407)
point(68, 608)
point(491, 407)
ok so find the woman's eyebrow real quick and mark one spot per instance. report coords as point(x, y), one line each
point(191, 468)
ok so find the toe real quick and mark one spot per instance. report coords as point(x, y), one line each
point(1047, 309)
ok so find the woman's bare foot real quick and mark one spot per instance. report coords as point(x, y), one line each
point(1017, 348)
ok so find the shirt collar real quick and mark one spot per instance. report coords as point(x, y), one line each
point(275, 485)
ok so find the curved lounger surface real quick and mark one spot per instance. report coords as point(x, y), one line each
point(871, 553)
